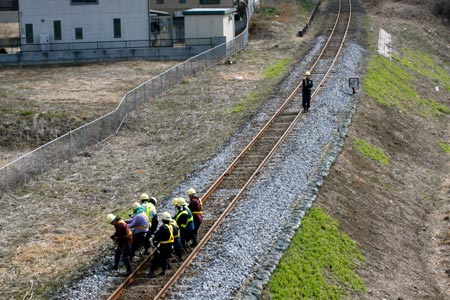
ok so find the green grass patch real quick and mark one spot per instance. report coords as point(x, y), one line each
point(247, 102)
point(273, 75)
point(392, 82)
point(371, 151)
point(445, 147)
point(25, 113)
point(307, 5)
point(388, 84)
point(319, 264)
point(277, 68)
point(270, 11)
point(433, 107)
point(423, 65)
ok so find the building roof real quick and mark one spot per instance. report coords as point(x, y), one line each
point(158, 13)
point(209, 11)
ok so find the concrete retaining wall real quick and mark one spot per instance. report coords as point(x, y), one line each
point(76, 56)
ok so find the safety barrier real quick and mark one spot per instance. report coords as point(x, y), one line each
point(19, 171)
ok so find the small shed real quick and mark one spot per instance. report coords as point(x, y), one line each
point(207, 23)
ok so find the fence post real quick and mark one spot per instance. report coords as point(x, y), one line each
point(85, 137)
point(24, 170)
point(153, 89)
point(6, 180)
point(135, 99)
point(145, 95)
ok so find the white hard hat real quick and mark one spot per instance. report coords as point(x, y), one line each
point(144, 196)
point(191, 191)
point(166, 216)
point(307, 73)
point(110, 218)
point(182, 202)
point(136, 205)
point(153, 200)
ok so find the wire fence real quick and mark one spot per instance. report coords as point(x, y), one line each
point(22, 169)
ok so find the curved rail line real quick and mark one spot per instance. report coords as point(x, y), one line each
point(235, 180)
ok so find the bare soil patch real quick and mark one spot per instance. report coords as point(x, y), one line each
point(399, 215)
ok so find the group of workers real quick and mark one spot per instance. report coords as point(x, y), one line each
point(141, 230)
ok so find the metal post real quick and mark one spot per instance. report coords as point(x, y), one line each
point(85, 137)
point(24, 170)
point(145, 95)
point(153, 88)
point(135, 99)
point(6, 180)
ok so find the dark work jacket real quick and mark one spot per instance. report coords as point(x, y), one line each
point(306, 88)
point(195, 205)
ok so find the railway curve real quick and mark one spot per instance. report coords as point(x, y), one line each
point(230, 186)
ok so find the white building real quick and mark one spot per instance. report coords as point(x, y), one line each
point(201, 23)
point(79, 21)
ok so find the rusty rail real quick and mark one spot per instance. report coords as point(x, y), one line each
point(239, 158)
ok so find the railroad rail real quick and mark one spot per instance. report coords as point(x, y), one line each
point(226, 191)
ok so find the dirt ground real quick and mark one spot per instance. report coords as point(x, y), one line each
point(153, 153)
point(398, 215)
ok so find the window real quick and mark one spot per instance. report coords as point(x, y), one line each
point(29, 33)
point(78, 33)
point(117, 29)
point(182, 1)
point(84, 2)
point(209, 2)
point(159, 1)
point(57, 30)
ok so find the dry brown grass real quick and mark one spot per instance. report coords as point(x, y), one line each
point(64, 210)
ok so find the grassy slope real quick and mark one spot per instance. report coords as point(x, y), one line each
point(308, 270)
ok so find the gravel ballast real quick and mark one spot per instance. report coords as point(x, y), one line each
point(238, 261)
point(253, 238)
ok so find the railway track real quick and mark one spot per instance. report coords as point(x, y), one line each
point(226, 191)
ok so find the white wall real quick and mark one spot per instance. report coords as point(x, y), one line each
point(95, 19)
point(208, 26)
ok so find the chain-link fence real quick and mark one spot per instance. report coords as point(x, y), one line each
point(19, 171)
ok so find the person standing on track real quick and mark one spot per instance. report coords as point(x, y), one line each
point(140, 226)
point(185, 221)
point(196, 207)
point(163, 240)
point(307, 85)
point(123, 238)
point(149, 205)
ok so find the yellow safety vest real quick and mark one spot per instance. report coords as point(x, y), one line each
point(171, 238)
point(190, 217)
point(174, 223)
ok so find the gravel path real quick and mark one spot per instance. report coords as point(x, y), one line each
point(289, 187)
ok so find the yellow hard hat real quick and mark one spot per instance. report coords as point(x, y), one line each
point(166, 216)
point(307, 73)
point(136, 205)
point(144, 196)
point(175, 202)
point(191, 191)
point(110, 218)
